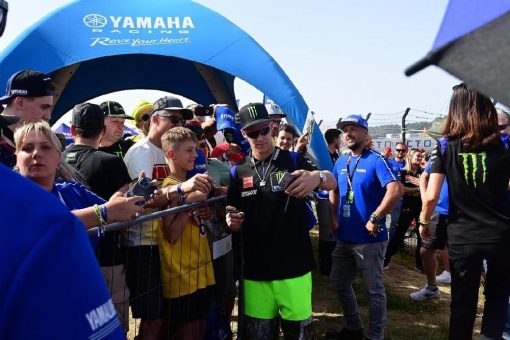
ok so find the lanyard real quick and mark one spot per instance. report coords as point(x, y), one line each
point(351, 177)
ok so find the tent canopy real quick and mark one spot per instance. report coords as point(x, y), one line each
point(95, 47)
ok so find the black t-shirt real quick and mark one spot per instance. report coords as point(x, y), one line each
point(334, 156)
point(119, 148)
point(478, 186)
point(276, 241)
point(104, 174)
point(412, 202)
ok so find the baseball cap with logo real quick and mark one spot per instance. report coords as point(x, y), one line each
point(353, 120)
point(171, 103)
point(275, 110)
point(114, 110)
point(88, 117)
point(225, 118)
point(28, 83)
point(253, 113)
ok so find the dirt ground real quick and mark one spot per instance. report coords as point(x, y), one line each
point(407, 319)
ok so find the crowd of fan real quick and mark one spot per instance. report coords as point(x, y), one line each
point(179, 271)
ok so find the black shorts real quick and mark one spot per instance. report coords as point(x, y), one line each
point(437, 232)
point(194, 306)
point(144, 282)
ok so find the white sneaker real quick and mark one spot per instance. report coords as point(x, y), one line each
point(444, 277)
point(425, 294)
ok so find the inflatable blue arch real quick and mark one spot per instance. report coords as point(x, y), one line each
point(95, 47)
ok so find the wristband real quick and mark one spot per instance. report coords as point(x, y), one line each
point(104, 212)
point(182, 196)
point(423, 221)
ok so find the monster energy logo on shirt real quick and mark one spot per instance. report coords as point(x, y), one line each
point(473, 163)
point(252, 110)
point(279, 176)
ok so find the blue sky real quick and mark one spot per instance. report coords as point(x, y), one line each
point(344, 56)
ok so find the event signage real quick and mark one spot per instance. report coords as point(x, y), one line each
point(427, 143)
point(114, 26)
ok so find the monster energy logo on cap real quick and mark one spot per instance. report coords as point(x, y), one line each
point(253, 113)
point(252, 110)
point(475, 167)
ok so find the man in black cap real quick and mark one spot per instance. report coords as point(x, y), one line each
point(278, 255)
point(29, 96)
point(112, 141)
point(105, 174)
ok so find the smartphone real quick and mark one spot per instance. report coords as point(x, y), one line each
point(142, 187)
point(202, 111)
point(287, 179)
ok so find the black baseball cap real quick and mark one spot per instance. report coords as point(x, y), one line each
point(6, 120)
point(28, 83)
point(88, 117)
point(253, 113)
point(114, 110)
point(171, 103)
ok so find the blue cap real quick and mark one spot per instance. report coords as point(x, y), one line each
point(353, 120)
point(200, 165)
point(225, 118)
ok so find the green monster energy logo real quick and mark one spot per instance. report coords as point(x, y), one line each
point(252, 110)
point(474, 159)
point(279, 176)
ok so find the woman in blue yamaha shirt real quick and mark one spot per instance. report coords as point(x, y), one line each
point(39, 159)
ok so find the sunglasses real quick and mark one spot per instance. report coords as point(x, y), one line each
point(176, 120)
point(256, 133)
point(400, 150)
point(501, 127)
point(145, 117)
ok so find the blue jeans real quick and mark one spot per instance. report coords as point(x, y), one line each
point(368, 258)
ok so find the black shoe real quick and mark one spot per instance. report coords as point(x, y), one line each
point(345, 334)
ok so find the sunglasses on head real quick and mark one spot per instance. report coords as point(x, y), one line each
point(256, 133)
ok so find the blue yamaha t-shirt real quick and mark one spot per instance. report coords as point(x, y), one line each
point(396, 166)
point(50, 283)
point(369, 179)
point(442, 203)
point(74, 196)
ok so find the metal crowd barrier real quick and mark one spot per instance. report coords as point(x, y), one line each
point(122, 225)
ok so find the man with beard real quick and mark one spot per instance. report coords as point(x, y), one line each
point(367, 191)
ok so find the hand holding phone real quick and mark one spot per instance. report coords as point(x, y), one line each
point(287, 179)
point(143, 187)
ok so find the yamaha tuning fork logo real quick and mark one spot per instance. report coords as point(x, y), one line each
point(125, 30)
point(95, 21)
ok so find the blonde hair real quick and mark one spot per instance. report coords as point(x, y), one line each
point(41, 127)
point(409, 159)
point(176, 136)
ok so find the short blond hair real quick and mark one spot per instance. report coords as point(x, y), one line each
point(176, 136)
point(41, 127)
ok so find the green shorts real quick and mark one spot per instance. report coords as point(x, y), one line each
point(291, 298)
